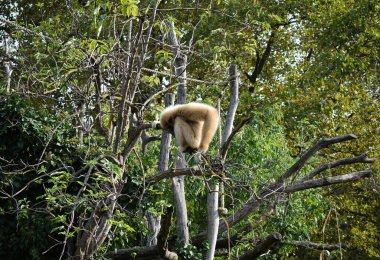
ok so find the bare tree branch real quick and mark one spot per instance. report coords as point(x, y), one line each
point(260, 61)
point(162, 238)
point(316, 246)
point(327, 181)
point(225, 146)
point(165, 140)
point(358, 159)
point(121, 115)
point(150, 252)
point(262, 247)
point(279, 186)
point(322, 143)
point(146, 139)
point(192, 171)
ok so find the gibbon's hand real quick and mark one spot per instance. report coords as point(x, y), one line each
point(156, 125)
point(194, 125)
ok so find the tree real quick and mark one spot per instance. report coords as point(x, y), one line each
point(89, 78)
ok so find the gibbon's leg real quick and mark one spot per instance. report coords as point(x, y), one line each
point(194, 138)
point(180, 127)
point(188, 135)
point(209, 128)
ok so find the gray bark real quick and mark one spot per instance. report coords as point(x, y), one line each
point(316, 246)
point(262, 247)
point(171, 173)
point(358, 159)
point(178, 183)
point(95, 228)
point(234, 101)
point(150, 252)
point(213, 195)
point(154, 225)
point(163, 236)
point(154, 221)
point(213, 219)
point(327, 181)
point(279, 185)
point(8, 63)
point(165, 140)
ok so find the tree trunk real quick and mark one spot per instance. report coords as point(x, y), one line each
point(178, 183)
point(213, 219)
point(7, 63)
point(154, 221)
point(96, 228)
point(213, 195)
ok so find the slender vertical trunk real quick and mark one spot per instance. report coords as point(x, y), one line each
point(178, 183)
point(213, 219)
point(165, 140)
point(234, 101)
point(154, 221)
point(7, 63)
point(81, 115)
point(212, 196)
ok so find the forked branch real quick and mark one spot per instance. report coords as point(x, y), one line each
point(279, 186)
point(322, 143)
point(358, 159)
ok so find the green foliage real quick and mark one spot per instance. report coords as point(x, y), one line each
point(27, 131)
point(191, 252)
point(320, 78)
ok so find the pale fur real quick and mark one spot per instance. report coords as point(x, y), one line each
point(194, 125)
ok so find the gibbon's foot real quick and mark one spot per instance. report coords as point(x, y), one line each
point(190, 150)
point(202, 158)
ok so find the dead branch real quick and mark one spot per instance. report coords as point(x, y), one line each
point(133, 253)
point(239, 236)
point(267, 194)
point(150, 252)
point(166, 139)
point(327, 181)
point(279, 185)
point(133, 136)
point(316, 246)
point(262, 247)
point(224, 149)
point(178, 183)
point(162, 238)
point(192, 171)
point(146, 139)
point(358, 159)
point(322, 143)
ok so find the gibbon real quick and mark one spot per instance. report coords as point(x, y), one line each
point(194, 125)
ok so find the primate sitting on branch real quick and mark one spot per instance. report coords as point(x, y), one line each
point(194, 125)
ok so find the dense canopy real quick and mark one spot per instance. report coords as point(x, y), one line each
point(291, 173)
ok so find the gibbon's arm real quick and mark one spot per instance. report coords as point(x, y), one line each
point(194, 124)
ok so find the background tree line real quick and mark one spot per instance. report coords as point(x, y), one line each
point(84, 174)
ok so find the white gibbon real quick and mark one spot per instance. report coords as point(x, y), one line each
point(194, 125)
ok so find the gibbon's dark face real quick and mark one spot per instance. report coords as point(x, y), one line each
point(170, 127)
point(171, 124)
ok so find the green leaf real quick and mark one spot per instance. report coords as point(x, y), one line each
point(134, 10)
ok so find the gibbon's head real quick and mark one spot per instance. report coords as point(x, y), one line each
point(167, 118)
